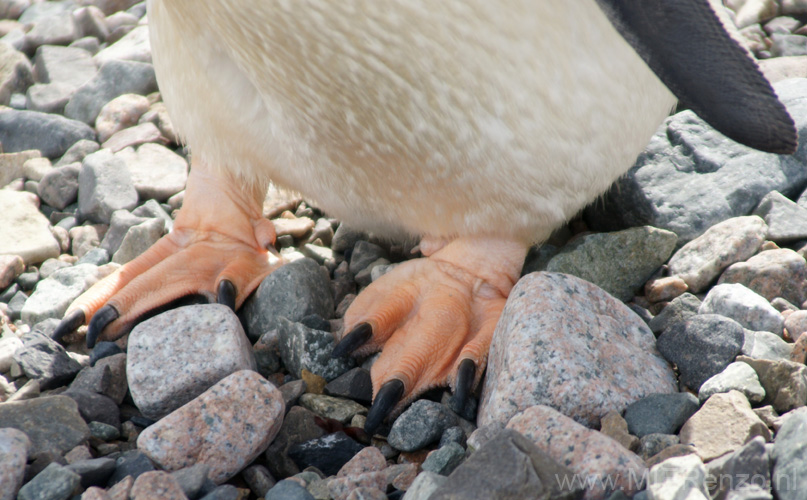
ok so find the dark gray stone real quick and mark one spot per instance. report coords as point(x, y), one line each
point(420, 425)
point(59, 187)
point(105, 376)
point(354, 384)
point(191, 479)
point(509, 466)
point(103, 350)
point(304, 348)
point(328, 453)
point(660, 413)
point(723, 179)
point(52, 423)
point(130, 463)
point(701, 347)
point(95, 407)
point(102, 431)
point(119, 225)
point(453, 435)
point(45, 360)
point(750, 465)
point(299, 426)
point(113, 79)
point(96, 257)
point(653, 444)
point(678, 310)
point(288, 490)
point(364, 253)
point(790, 457)
point(258, 479)
point(444, 459)
point(54, 483)
point(94, 471)
point(294, 291)
point(223, 492)
point(51, 134)
point(16, 304)
point(104, 186)
point(77, 152)
point(345, 237)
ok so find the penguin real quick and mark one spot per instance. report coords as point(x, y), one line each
point(478, 126)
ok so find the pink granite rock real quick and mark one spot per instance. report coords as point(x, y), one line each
point(95, 493)
point(14, 447)
point(225, 428)
point(601, 463)
point(772, 273)
point(341, 487)
point(370, 459)
point(156, 484)
point(565, 343)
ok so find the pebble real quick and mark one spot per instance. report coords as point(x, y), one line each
point(77, 152)
point(54, 294)
point(192, 479)
point(771, 274)
point(444, 459)
point(134, 46)
point(120, 113)
point(156, 484)
point(114, 78)
point(55, 482)
point(744, 306)
point(678, 477)
point(299, 426)
point(11, 266)
point(157, 172)
point(14, 447)
point(786, 220)
point(138, 239)
point(723, 424)
point(789, 460)
point(785, 382)
point(419, 425)
point(23, 230)
point(240, 414)
point(16, 74)
point(766, 345)
point(619, 262)
point(616, 428)
point(565, 343)
point(355, 384)
point(93, 471)
point(129, 466)
point(328, 453)
point(294, 291)
point(426, 483)
point(288, 490)
point(96, 408)
point(105, 376)
point(133, 136)
point(339, 409)
point(651, 445)
point(158, 115)
point(198, 345)
point(51, 134)
point(67, 66)
point(52, 423)
point(302, 348)
point(678, 310)
point(701, 347)
point(105, 186)
point(660, 413)
point(45, 360)
point(745, 467)
point(589, 454)
point(737, 376)
point(86, 238)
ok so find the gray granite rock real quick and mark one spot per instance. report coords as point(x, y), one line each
point(789, 457)
point(54, 294)
point(567, 344)
point(690, 177)
point(678, 310)
point(57, 29)
point(294, 291)
point(340, 409)
point(114, 78)
point(105, 376)
point(701, 261)
point(701, 347)
point(46, 361)
point(138, 239)
point(444, 459)
point(51, 423)
point(750, 465)
point(420, 425)
point(302, 347)
point(105, 185)
point(744, 306)
point(152, 209)
point(175, 356)
point(56, 482)
point(619, 262)
point(50, 134)
point(736, 376)
point(660, 413)
point(119, 224)
point(23, 229)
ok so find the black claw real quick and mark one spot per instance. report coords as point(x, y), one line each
point(353, 340)
point(465, 380)
point(386, 399)
point(225, 294)
point(69, 324)
point(99, 321)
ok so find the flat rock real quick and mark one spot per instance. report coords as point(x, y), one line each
point(339, 409)
point(591, 455)
point(105, 376)
point(701, 347)
point(175, 356)
point(51, 423)
point(23, 230)
point(737, 376)
point(105, 185)
point(64, 65)
point(789, 458)
point(157, 172)
point(678, 310)
point(573, 347)
point(45, 360)
point(11, 266)
point(59, 187)
point(785, 382)
point(690, 177)
point(14, 447)
point(327, 453)
point(772, 273)
point(242, 414)
point(51, 134)
point(54, 294)
point(701, 261)
point(723, 424)
point(133, 136)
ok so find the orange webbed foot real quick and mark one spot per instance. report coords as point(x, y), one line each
point(433, 318)
point(220, 247)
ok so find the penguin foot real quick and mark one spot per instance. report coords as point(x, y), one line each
point(221, 247)
point(433, 319)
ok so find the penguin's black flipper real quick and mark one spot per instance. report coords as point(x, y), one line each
point(685, 44)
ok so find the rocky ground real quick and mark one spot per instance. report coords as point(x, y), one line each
point(658, 352)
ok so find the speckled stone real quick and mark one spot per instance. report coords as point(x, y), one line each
point(336, 408)
point(54, 294)
point(772, 273)
point(799, 352)
point(785, 382)
point(156, 484)
point(14, 447)
point(700, 261)
point(225, 428)
point(589, 453)
point(11, 266)
point(175, 356)
point(565, 343)
point(55, 482)
point(744, 306)
point(678, 478)
point(723, 424)
point(660, 413)
point(445, 459)
point(369, 459)
point(307, 348)
point(420, 425)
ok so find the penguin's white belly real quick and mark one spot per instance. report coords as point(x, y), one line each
point(449, 118)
